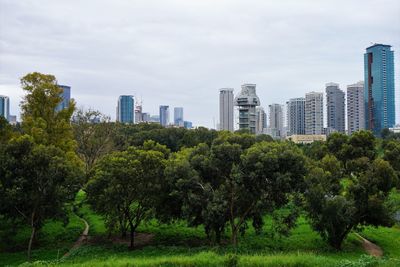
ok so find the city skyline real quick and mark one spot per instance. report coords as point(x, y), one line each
point(191, 50)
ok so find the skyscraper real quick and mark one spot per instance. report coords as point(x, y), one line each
point(138, 113)
point(261, 117)
point(275, 126)
point(296, 116)
point(314, 111)
point(126, 109)
point(355, 107)
point(5, 106)
point(247, 100)
point(178, 116)
point(226, 109)
point(65, 96)
point(164, 115)
point(335, 107)
point(379, 95)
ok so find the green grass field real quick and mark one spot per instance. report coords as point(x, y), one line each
point(178, 245)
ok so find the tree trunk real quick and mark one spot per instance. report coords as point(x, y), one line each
point(132, 235)
point(31, 241)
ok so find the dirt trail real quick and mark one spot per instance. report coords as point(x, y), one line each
point(81, 239)
point(371, 248)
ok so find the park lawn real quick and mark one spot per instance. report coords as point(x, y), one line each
point(178, 245)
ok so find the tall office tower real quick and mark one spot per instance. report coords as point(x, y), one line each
point(247, 101)
point(296, 116)
point(126, 109)
point(5, 106)
point(261, 117)
point(164, 115)
point(335, 107)
point(226, 109)
point(275, 126)
point(178, 116)
point(355, 107)
point(314, 111)
point(138, 113)
point(379, 95)
point(65, 96)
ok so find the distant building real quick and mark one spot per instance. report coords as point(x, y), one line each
point(306, 138)
point(138, 113)
point(314, 111)
point(275, 125)
point(164, 115)
point(247, 101)
point(155, 118)
point(296, 114)
point(226, 109)
point(12, 119)
point(126, 109)
point(146, 117)
point(5, 106)
point(65, 96)
point(335, 107)
point(261, 118)
point(187, 124)
point(178, 116)
point(379, 93)
point(355, 107)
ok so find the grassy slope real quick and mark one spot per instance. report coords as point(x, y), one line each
point(178, 245)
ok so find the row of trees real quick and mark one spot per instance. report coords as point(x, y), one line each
point(220, 180)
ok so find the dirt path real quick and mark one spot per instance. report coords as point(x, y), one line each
point(370, 247)
point(81, 239)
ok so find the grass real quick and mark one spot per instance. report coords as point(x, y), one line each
point(179, 245)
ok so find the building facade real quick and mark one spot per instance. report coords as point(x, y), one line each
point(314, 113)
point(247, 101)
point(261, 118)
point(296, 114)
point(226, 109)
point(65, 97)
point(164, 115)
point(126, 109)
point(178, 117)
point(5, 106)
point(355, 107)
point(379, 93)
point(188, 124)
point(275, 123)
point(335, 108)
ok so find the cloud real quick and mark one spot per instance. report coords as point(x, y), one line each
point(181, 52)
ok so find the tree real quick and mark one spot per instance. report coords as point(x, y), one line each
point(126, 187)
point(392, 155)
point(5, 130)
point(40, 118)
point(337, 204)
point(35, 182)
point(93, 133)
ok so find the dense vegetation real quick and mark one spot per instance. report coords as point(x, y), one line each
point(188, 197)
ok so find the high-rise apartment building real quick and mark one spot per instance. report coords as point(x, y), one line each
point(379, 94)
point(247, 101)
point(65, 96)
point(355, 107)
point(296, 116)
point(164, 115)
point(226, 109)
point(178, 117)
point(335, 107)
point(275, 125)
point(126, 109)
point(314, 111)
point(5, 106)
point(261, 118)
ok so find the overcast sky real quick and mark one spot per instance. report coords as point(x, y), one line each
point(180, 53)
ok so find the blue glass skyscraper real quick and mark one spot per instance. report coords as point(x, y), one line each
point(164, 115)
point(126, 109)
point(66, 97)
point(5, 106)
point(379, 88)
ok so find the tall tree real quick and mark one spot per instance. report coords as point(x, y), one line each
point(93, 133)
point(35, 182)
point(40, 118)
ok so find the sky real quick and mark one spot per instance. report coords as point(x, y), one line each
point(180, 53)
